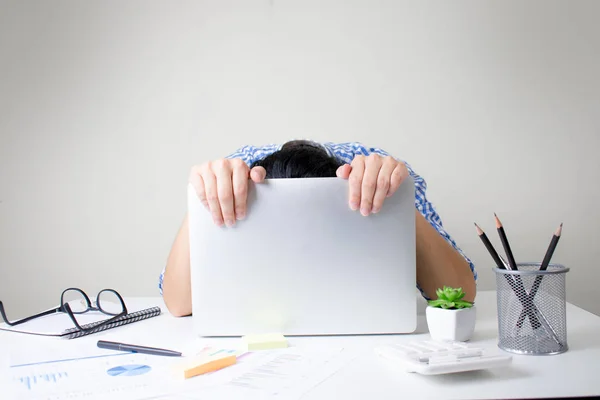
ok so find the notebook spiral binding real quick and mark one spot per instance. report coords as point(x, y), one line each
point(73, 333)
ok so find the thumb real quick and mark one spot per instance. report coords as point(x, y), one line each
point(258, 174)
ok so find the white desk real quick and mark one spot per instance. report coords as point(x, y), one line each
point(572, 374)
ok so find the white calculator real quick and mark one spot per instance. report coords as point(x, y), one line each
point(430, 357)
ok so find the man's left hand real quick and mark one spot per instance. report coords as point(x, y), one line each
point(371, 179)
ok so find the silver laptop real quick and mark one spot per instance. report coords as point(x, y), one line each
point(303, 263)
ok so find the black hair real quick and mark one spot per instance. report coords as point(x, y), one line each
point(299, 159)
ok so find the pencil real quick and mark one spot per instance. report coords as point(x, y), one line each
point(546, 261)
point(498, 259)
point(489, 247)
point(551, 248)
point(516, 284)
point(505, 244)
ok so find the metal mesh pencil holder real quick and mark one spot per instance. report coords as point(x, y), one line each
point(532, 309)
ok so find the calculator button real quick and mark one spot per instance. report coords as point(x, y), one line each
point(425, 347)
point(435, 346)
point(467, 353)
point(403, 349)
point(443, 359)
point(460, 344)
point(412, 348)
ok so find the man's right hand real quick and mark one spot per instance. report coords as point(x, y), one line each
point(222, 186)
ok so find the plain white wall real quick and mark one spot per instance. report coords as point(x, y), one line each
point(105, 106)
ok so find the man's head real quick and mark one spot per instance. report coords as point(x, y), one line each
point(299, 159)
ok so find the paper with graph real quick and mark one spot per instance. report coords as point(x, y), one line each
point(283, 373)
point(96, 377)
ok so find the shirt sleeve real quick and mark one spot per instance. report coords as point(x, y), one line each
point(427, 209)
point(347, 151)
point(251, 154)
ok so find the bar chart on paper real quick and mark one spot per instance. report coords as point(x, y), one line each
point(88, 378)
point(274, 374)
point(34, 381)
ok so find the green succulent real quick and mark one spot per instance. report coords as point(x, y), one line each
point(450, 299)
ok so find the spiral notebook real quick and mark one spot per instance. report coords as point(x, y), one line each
point(60, 325)
point(123, 320)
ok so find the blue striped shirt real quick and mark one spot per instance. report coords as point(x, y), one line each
point(346, 152)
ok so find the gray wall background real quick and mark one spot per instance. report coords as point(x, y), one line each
point(105, 106)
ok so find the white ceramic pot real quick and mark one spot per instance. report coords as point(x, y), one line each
point(450, 325)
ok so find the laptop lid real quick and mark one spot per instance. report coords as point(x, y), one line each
point(303, 263)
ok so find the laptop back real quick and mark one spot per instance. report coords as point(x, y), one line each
point(303, 263)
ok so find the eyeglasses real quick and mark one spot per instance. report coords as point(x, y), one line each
point(74, 301)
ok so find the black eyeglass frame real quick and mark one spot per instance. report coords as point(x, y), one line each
point(66, 308)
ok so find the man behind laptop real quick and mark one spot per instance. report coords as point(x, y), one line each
point(373, 176)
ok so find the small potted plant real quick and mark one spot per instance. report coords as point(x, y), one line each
point(449, 317)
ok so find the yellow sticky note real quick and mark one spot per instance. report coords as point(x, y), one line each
point(265, 341)
point(204, 363)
